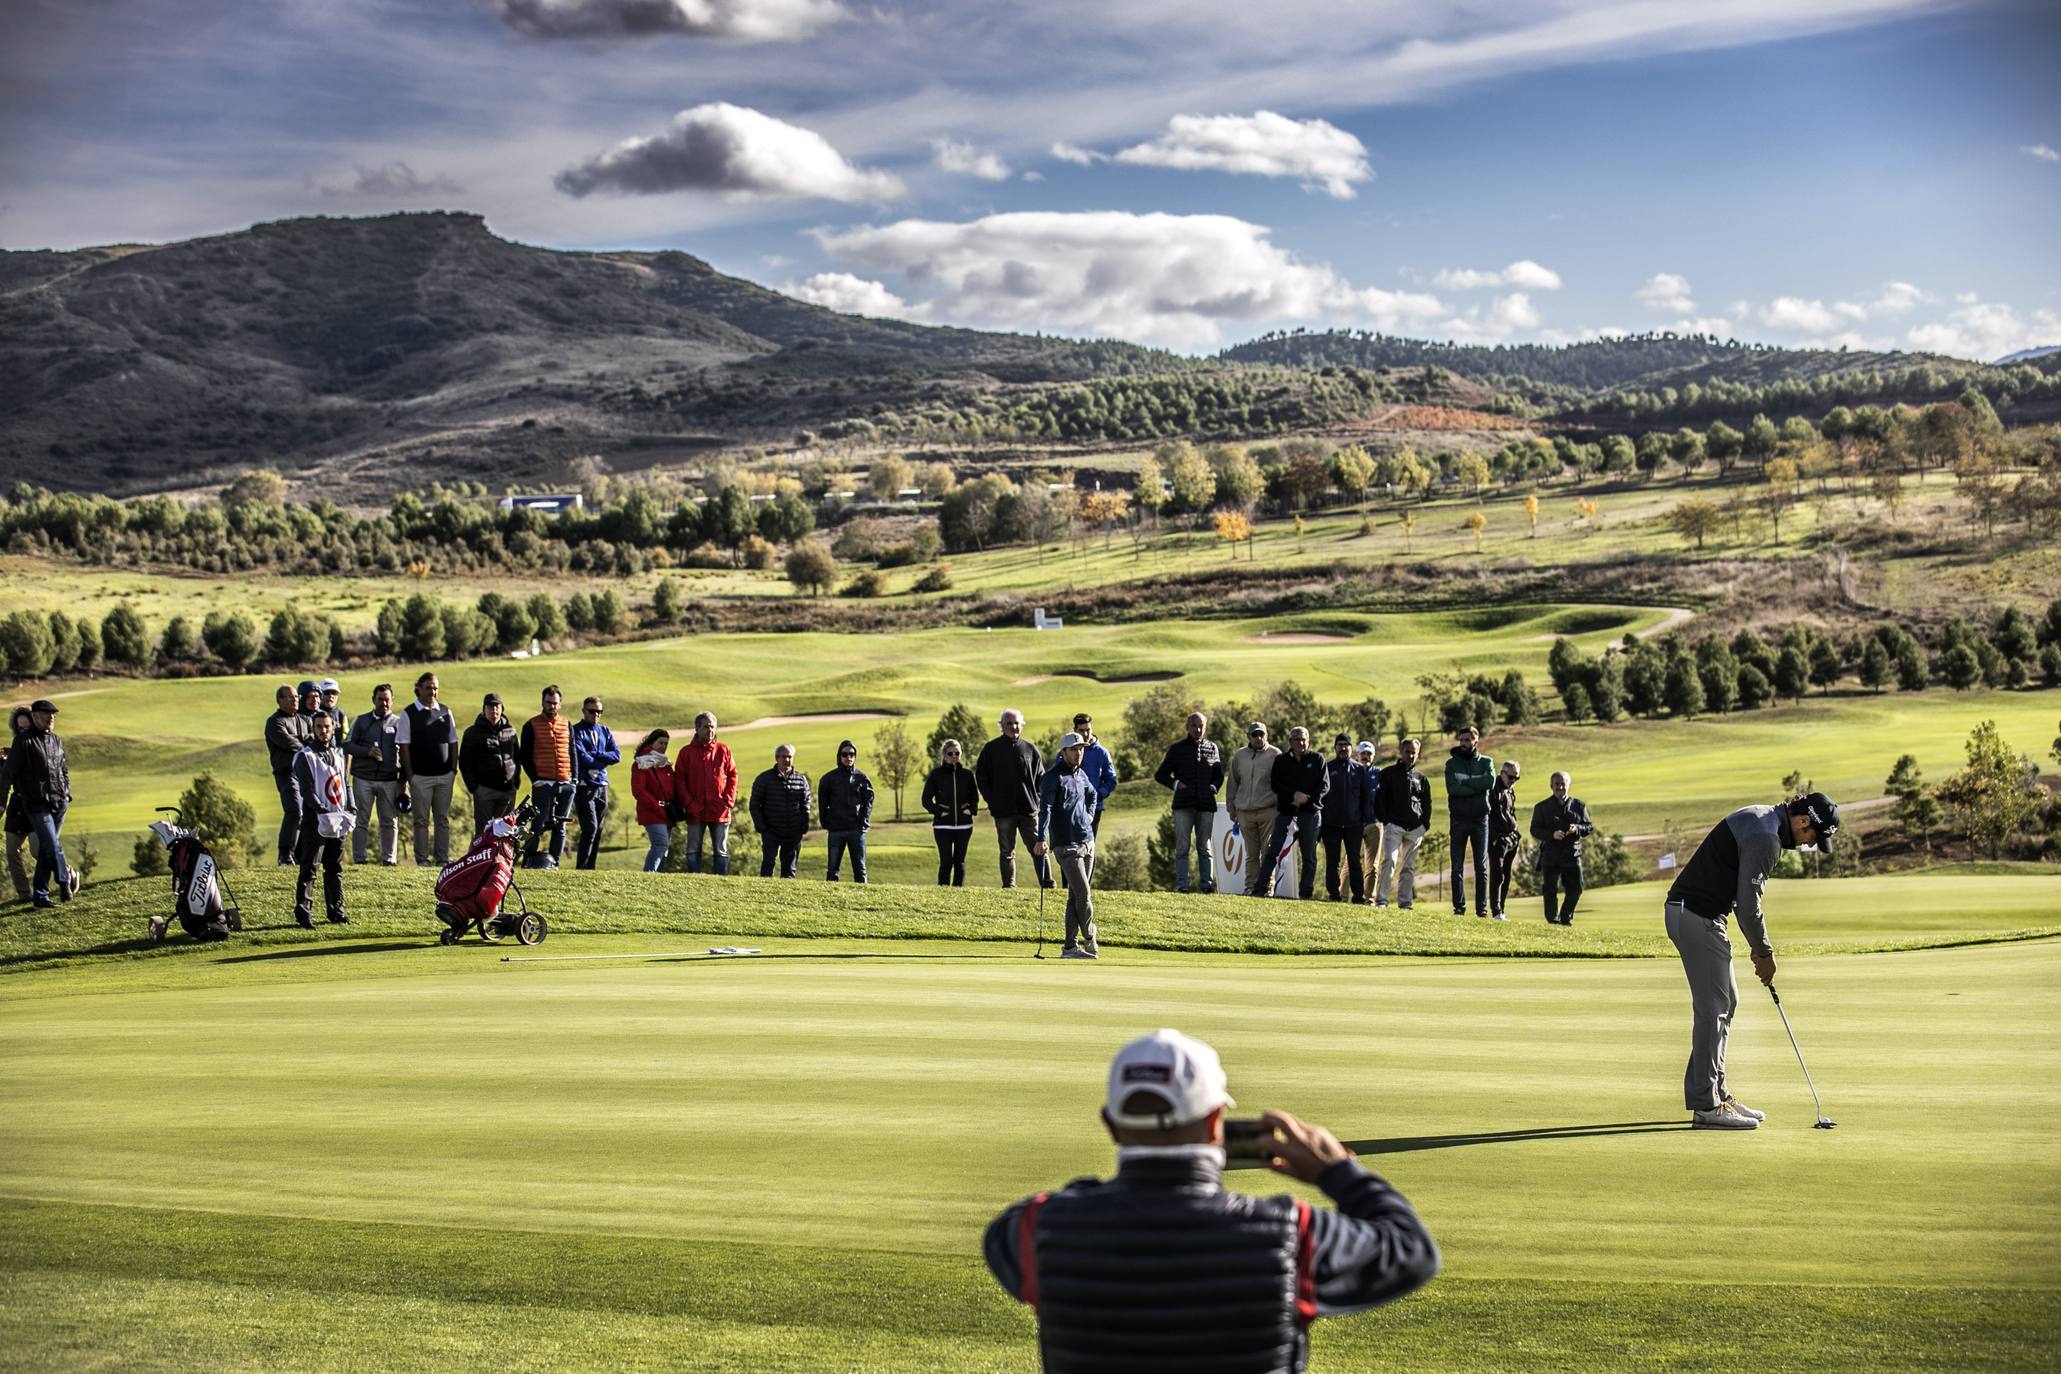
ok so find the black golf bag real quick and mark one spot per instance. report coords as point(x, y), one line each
point(199, 900)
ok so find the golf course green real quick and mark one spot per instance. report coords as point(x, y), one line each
point(354, 1149)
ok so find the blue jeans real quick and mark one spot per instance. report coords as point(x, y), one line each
point(43, 826)
point(1475, 833)
point(554, 807)
point(719, 843)
point(854, 842)
point(661, 837)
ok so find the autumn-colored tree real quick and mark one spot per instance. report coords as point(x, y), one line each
point(1476, 522)
point(1409, 524)
point(1531, 511)
point(1233, 528)
point(1588, 507)
point(1778, 491)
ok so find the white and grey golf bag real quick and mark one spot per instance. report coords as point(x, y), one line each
point(198, 900)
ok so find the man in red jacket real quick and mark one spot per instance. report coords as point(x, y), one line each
point(706, 776)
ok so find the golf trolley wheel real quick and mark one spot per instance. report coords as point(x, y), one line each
point(530, 928)
point(447, 936)
point(490, 930)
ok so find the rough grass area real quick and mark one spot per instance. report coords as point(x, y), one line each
point(393, 910)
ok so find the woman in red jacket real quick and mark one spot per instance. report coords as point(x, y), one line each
point(651, 783)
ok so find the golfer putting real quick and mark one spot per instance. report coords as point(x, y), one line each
point(1726, 874)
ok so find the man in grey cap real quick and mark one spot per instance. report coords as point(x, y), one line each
point(1726, 873)
point(1066, 829)
point(1163, 1268)
point(332, 698)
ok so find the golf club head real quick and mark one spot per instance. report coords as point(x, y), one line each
point(1824, 1123)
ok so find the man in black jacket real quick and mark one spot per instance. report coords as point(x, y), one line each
point(844, 801)
point(1007, 775)
point(1402, 803)
point(780, 812)
point(1161, 1269)
point(1344, 791)
point(1300, 782)
point(487, 762)
point(1194, 769)
point(38, 775)
point(1559, 824)
point(286, 731)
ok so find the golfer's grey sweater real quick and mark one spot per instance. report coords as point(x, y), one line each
point(1729, 869)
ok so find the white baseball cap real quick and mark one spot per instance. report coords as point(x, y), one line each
point(1179, 1069)
point(329, 684)
point(1366, 747)
point(1070, 740)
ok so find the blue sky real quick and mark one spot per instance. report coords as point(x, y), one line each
point(1879, 173)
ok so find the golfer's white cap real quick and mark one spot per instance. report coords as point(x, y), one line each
point(1070, 740)
point(329, 684)
point(1366, 747)
point(1180, 1070)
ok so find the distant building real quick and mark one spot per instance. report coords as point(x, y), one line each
point(1041, 621)
point(550, 503)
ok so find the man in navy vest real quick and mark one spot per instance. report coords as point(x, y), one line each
point(1161, 1269)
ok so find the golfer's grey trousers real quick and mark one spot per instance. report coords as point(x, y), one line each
point(1007, 831)
point(1706, 952)
point(1077, 862)
point(429, 803)
point(386, 796)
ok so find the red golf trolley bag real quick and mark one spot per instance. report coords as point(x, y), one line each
point(473, 889)
point(200, 900)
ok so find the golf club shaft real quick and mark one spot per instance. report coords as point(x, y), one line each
point(1815, 1100)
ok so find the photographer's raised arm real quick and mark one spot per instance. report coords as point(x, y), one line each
point(1373, 1249)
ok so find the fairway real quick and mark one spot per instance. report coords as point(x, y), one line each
point(356, 1149)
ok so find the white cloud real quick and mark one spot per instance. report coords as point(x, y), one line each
point(1559, 338)
point(964, 159)
point(1715, 325)
point(1666, 291)
point(1986, 331)
point(733, 150)
point(1324, 156)
point(1033, 175)
point(1806, 317)
point(2041, 151)
point(1169, 279)
point(1524, 272)
point(850, 295)
point(741, 21)
point(1898, 298)
point(1086, 157)
point(390, 181)
point(1506, 316)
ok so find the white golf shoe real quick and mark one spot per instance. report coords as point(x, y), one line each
point(1075, 952)
point(1090, 943)
point(1742, 1109)
point(1723, 1118)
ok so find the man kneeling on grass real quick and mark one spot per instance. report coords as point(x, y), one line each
point(1162, 1269)
point(1066, 830)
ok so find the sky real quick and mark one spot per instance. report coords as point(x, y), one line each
point(1186, 173)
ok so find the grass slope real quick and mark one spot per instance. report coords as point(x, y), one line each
point(416, 1157)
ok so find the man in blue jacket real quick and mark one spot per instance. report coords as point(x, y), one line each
point(844, 802)
point(593, 750)
point(1097, 764)
point(1162, 1267)
point(1066, 830)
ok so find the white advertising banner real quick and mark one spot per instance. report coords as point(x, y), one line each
point(1232, 856)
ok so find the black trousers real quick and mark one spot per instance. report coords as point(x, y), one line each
point(590, 804)
point(787, 850)
point(1349, 842)
point(289, 816)
point(1468, 834)
point(1502, 863)
point(1306, 856)
point(316, 849)
point(951, 856)
point(1564, 881)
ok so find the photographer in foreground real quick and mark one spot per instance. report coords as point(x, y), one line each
point(1160, 1268)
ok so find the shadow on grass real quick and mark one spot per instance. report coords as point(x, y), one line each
point(1397, 1145)
point(702, 957)
point(312, 951)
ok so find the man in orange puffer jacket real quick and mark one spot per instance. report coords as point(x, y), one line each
point(545, 752)
point(706, 777)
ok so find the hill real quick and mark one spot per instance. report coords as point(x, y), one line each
point(358, 344)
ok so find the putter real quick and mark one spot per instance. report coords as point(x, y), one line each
point(1824, 1122)
point(1041, 923)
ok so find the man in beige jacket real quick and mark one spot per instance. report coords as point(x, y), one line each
point(1253, 803)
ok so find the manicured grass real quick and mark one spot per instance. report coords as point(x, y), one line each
point(135, 745)
point(354, 1149)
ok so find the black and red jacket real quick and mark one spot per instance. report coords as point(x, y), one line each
point(1160, 1269)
